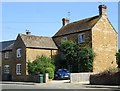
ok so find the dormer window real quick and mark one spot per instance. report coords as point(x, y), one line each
point(18, 53)
point(6, 55)
point(81, 38)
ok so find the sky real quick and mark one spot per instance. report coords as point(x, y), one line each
point(45, 18)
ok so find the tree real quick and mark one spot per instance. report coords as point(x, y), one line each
point(86, 57)
point(118, 58)
point(42, 65)
point(78, 54)
point(69, 50)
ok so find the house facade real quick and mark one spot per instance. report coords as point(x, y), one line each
point(26, 48)
point(97, 32)
point(6, 59)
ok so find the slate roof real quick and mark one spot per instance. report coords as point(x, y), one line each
point(81, 25)
point(6, 45)
point(38, 41)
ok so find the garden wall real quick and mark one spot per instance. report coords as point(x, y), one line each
point(106, 79)
point(37, 78)
point(33, 78)
point(80, 77)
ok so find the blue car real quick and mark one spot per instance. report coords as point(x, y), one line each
point(62, 74)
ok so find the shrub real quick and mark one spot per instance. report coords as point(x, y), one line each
point(50, 71)
point(41, 65)
point(118, 58)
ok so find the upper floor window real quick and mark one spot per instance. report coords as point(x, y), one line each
point(64, 39)
point(18, 69)
point(18, 52)
point(81, 38)
point(6, 69)
point(6, 55)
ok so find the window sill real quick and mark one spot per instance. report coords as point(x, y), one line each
point(18, 74)
point(82, 42)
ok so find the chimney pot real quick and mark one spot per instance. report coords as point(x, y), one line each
point(65, 21)
point(28, 33)
point(102, 10)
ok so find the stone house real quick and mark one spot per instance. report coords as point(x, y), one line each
point(28, 47)
point(96, 31)
point(25, 47)
point(6, 59)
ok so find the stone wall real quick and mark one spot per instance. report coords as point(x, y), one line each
point(31, 54)
point(74, 37)
point(106, 79)
point(33, 78)
point(21, 60)
point(7, 61)
point(104, 44)
point(79, 77)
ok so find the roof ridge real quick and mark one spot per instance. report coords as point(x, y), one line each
point(34, 35)
point(85, 18)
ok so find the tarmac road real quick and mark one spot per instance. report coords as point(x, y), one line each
point(59, 85)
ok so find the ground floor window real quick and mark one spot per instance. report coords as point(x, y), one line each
point(18, 69)
point(6, 69)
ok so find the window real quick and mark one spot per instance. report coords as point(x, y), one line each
point(64, 39)
point(81, 38)
point(18, 69)
point(18, 52)
point(6, 55)
point(6, 69)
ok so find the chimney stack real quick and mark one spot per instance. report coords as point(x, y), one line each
point(65, 21)
point(102, 10)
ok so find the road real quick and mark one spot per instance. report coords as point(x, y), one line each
point(55, 85)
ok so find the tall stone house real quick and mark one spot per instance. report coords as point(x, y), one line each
point(96, 31)
point(26, 48)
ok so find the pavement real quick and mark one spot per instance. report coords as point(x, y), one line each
point(55, 84)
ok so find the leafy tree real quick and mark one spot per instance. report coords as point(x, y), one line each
point(69, 50)
point(86, 57)
point(41, 65)
point(78, 54)
point(118, 58)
